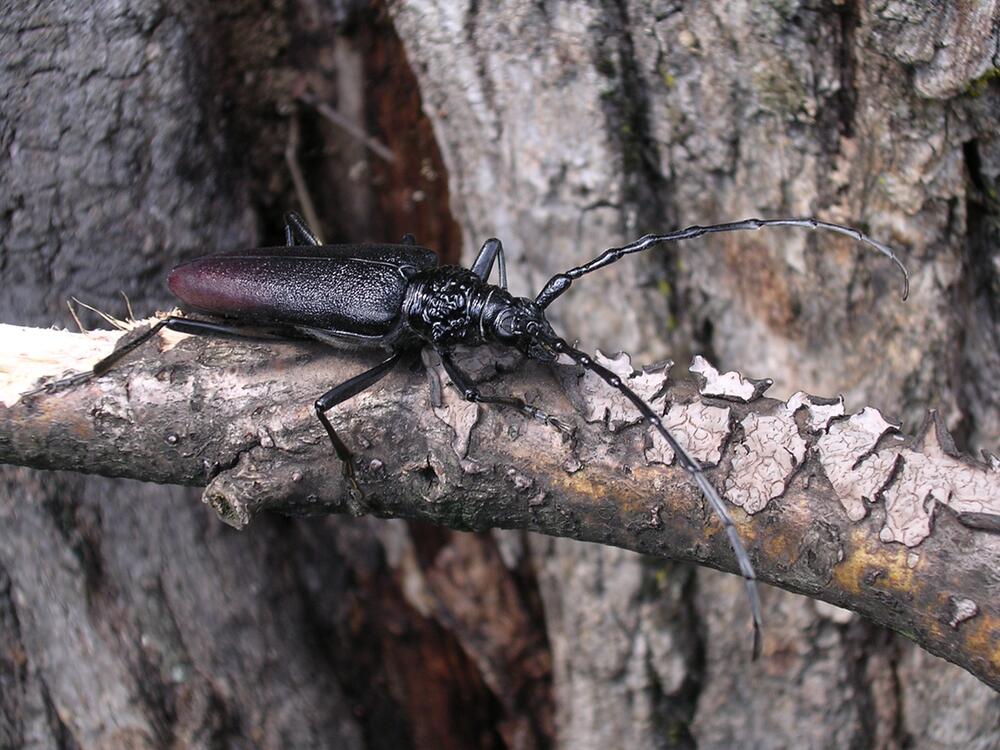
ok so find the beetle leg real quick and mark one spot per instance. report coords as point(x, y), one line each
point(492, 250)
point(195, 327)
point(470, 393)
point(340, 393)
point(409, 239)
point(296, 228)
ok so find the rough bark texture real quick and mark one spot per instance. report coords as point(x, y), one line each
point(136, 134)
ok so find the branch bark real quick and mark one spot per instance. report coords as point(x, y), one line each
point(837, 507)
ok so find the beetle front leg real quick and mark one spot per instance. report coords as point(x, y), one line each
point(337, 395)
point(470, 393)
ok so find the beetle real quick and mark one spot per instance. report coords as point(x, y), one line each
point(396, 297)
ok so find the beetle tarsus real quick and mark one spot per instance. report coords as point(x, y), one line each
point(54, 386)
point(103, 365)
point(356, 502)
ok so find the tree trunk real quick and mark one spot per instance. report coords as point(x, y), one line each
point(138, 135)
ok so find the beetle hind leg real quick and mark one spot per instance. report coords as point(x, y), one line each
point(343, 452)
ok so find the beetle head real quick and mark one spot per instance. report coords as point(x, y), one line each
point(522, 325)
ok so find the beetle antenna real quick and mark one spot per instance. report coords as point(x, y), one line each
point(688, 463)
point(561, 281)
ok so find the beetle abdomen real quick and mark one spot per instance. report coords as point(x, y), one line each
point(328, 287)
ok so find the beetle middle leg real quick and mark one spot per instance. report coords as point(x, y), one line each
point(340, 393)
point(469, 392)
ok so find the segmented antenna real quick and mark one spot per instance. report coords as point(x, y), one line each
point(561, 282)
point(689, 464)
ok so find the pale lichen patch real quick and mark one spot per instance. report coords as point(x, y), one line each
point(538, 500)
point(699, 428)
point(962, 609)
point(522, 482)
point(730, 385)
point(843, 452)
point(764, 460)
point(601, 401)
point(820, 411)
point(933, 476)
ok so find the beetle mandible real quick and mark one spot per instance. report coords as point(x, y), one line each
point(397, 298)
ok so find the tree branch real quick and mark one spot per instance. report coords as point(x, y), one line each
point(837, 507)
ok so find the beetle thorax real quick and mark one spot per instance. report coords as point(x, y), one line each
point(448, 306)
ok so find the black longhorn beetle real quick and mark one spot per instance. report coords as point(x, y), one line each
point(397, 298)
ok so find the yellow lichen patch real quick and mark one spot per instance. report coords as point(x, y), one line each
point(581, 484)
point(778, 547)
point(981, 637)
point(866, 557)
